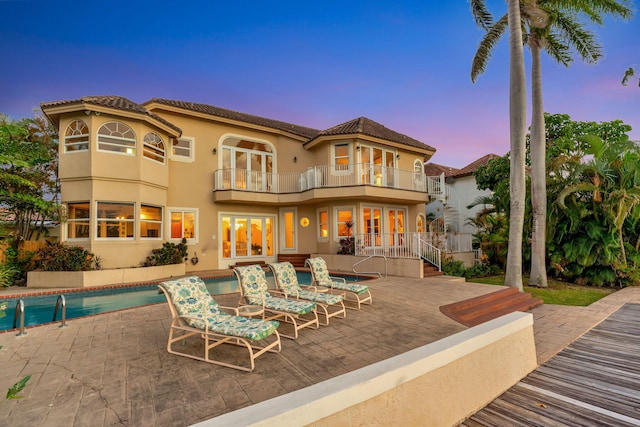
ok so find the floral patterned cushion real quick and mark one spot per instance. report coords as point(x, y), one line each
point(321, 277)
point(190, 297)
point(287, 281)
point(254, 288)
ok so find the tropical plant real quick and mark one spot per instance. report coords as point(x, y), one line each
point(169, 253)
point(552, 26)
point(628, 75)
point(61, 257)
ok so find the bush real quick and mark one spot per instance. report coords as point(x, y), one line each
point(8, 274)
point(60, 257)
point(347, 246)
point(169, 253)
point(457, 268)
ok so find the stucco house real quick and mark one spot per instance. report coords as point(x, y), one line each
point(448, 209)
point(237, 187)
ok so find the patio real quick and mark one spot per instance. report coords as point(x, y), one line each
point(113, 369)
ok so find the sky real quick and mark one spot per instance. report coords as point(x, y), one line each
point(404, 64)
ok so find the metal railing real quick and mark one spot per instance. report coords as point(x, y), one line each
point(397, 245)
point(371, 272)
point(326, 176)
point(61, 302)
point(19, 313)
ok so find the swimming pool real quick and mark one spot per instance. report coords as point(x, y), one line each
point(39, 309)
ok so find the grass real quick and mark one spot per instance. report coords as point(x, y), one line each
point(558, 292)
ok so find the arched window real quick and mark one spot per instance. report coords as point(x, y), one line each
point(117, 137)
point(153, 147)
point(76, 138)
point(418, 166)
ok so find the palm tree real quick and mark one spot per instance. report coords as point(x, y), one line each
point(551, 25)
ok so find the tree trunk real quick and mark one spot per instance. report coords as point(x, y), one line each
point(538, 275)
point(518, 129)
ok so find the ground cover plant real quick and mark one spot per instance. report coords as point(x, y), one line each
point(557, 292)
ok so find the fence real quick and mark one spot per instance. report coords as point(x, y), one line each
point(26, 246)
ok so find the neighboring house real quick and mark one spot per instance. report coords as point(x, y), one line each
point(237, 187)
point(448, 208)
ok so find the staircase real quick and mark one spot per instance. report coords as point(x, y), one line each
point(474, 311)
point(439, 190)
point(430, 270)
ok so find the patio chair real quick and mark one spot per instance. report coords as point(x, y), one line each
point(196, 314)
point(354, 293)
point(254, 291)
point(329, 305)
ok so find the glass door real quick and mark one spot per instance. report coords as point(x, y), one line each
point(372, 227)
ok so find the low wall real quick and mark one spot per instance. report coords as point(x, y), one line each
point(394, 266)
point(87, 279)
point(439, 384)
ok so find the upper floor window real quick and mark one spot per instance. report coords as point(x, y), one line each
point(153, 147)
point(418, 167)
point(341, 157)
point(183, 149)
point(117, 137)
point(76, 138)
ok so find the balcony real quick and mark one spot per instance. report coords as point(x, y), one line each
point(360, 180)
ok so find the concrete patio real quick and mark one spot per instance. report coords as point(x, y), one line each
point(113, 369)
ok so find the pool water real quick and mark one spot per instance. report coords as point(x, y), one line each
point(39, 309)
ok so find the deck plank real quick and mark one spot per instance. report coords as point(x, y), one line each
point(595, 381)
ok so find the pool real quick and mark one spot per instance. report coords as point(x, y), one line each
point(39, 309)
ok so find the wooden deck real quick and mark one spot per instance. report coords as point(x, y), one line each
point(593, 382)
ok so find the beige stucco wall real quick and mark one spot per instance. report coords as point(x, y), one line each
point(439, 384)
point(86, 279)
point(403, 267)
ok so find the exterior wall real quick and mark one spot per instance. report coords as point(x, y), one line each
point(439, 384)
point(468, 191)
point(187, 184)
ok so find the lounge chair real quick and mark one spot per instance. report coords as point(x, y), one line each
point(329, 305)
point(196, 314)
point(354, 293)
point(254, 291)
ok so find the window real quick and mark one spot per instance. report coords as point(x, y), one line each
point(153, 147)
point(288, 236)
point(418, 167)
point(183, 149)
point(78, 215)
point(341, 157)
point(183, 223)
point(117, 137)
point(76, 138)
point(150, 222)
point(323, 224)
point(248, 165)
point(115, 220)
point(420, 223)
point(247, 236)
point(344, 222)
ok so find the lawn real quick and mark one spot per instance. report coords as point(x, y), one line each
point(560, 293)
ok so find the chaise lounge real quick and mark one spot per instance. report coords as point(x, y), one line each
point(196, 314)
point(354, 293)
point(255, 292)
point(329, 305)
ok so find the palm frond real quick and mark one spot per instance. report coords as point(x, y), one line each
point(578, 37)
point(486, 46)
point(481, 14)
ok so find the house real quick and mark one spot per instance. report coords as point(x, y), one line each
point(237, 187)
point(448, 208)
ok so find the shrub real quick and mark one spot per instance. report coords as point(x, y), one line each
point(347, 246)
point(8, 274)
point(457, 268)
point(60, 257)
point(169, 253)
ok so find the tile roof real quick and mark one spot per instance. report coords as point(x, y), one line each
point(115, 102)
point(434, 169)
point(235, 115)
point(365, 126)
point(473, 166)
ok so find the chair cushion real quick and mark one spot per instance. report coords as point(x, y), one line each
point(289, 305)
point(190, 297)
point(321, 297)
point(321, 276)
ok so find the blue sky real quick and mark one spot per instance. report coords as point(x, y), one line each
point(318, 64)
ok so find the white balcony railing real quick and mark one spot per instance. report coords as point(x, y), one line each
point(328, 176)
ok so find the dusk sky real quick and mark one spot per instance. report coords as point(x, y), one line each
point(404, 64)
